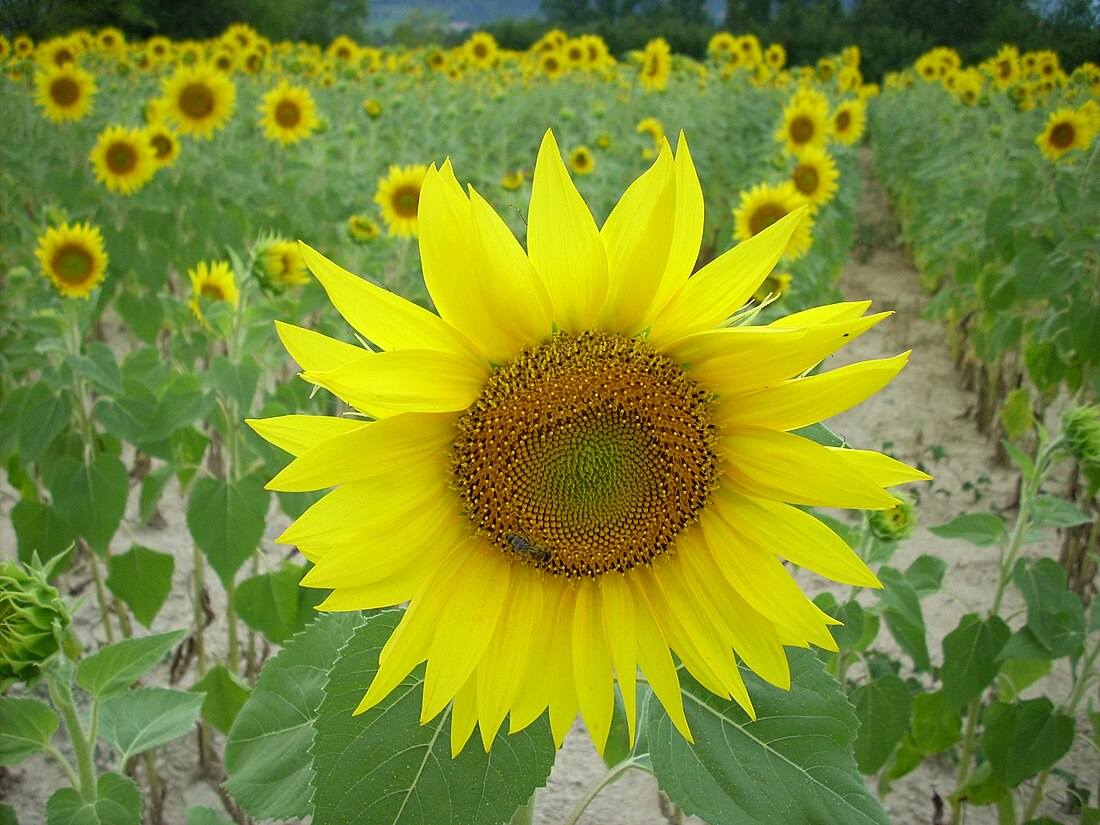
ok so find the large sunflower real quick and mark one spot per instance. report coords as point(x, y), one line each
point(577, 468)
point(399, 197)
point(1067, 129)
point(289, 113)
point(199, 100)
point(805, 122)
point(65, 92)
point(815, 176)
point(72, 257)
point(123, 159)
point(764, 205)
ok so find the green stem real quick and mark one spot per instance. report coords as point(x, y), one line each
point(199, 613)
point(61, 693)
point(66, 766)
point(1006, 809)
point(970, 743)
point(526, 814)
point(101, 596)
point(596, 787)
point(234, 656)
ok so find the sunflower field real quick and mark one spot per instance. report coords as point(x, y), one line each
point(377, 422)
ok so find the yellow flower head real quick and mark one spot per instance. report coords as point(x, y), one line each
point(399, 197)
point(652, 127)
point(577, 469)
point(775, 56)
point(72, 257)
point(805, 122)
point(57, 52)
point(281, 265)
point(362, 228)
point(815, 176)
point(1005, 67)
point(123, 160)
point(721, 46)
point(512, 180)
point(773, 287)
point(848, 121)
point(656, 65)
point(289, 114)
point(1066, 130)
point(481, 50)
point(65, 92)
point(763, 205)
point(212, 281)
point(581, 161)
point(343, 50)
point(165, 143)
point(199, 100)
point(372, 107)
point(551, 64)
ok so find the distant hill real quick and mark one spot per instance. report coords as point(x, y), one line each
point(471, 14)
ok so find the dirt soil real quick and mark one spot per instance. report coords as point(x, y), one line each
point(921, 417)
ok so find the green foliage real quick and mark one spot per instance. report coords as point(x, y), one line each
point(274, 604)
point(141, 719)
point(111, 671)
point(142, 578)
point(225, 695)
point(227, 519)
point(26, 726)
point(117, 802)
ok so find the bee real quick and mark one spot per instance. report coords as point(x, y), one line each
point(534, 552)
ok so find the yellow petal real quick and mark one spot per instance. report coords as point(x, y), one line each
point(637, 236)
point(843, 311)
point(796, 536)
point(592, 664)
point(530, 702)
point(314, 351)
point(883, 469)
point(298, 433)
point(464, 717)
point(473, 610)
point(375, 448)
point(720, 288)
point(796, 470)
point(394, 589)
point(386, 320)
point(559, 667)
point(687, 234)
point(510, 287)
point(619, 628)
point(564, 244)
point(421, 381)
point(804, 401)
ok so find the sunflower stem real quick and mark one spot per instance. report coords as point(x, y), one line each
point(586, 800)
point(61, 694)
point(526, 813)
point(101, 594)
point(966, 757)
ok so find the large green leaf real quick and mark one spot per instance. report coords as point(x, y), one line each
point(26, 726)
point(111, 670)
point(141, 719)
point(91, 497)
point(794, 763)
point(39, 528)
point(970, 658)
point(118, 802)
point(935, 727)
point(1055, 617)
point(982, 529)
point(275, 605)
point(201, 815)
point(882, 707)
point(225, 696)
point(267, 752)
point(902, 611)
point(227, 522)
point(43, 415)
point(413, 778)
point(1023, 738)
point(143, 579)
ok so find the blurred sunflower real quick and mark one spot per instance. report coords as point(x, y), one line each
point(166, 146)
point(581, 161)
point(65, 92)
point(656, 65)
point(212, 281)
point(198, 100)
point(848, 121)
point(805, 122)
point(764, 205)
point(775, 56)
point(815, 176)
point(362, 228)
point(481, 50)
point(56, 52)
point(399, 197)
point(1067, 129)
point(551, 64)
point(577, 469)
point(289, 114)
point(372, 107)
point(774, 286)
point(512, 180)
point(1005, 67)
point(123, 159)
point(72, 257)
point(280, 265)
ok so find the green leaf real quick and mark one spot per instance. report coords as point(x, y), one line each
point(1054, 614)
point(152, 488)
point(904, 618)
point(982, 529)
point(821, 434)
point(1016, 414)
point(413, 778)
point(225, 696)
point(1017, 674)
point(926, 574)
point(118, 802)
point(1023, 738)
point(141, 719)
point(44, 415)
point(227, 522)
point(142, 313)
point(143, 579)
point(201, 815)
point(981, 788)
point(267, 752)
point(1020, 458)
point(275, 605)
point(26, 726)
point(794, 763)
point(7, 814)
point(181, 402)
point(99, 367)
point(935, 727)
point(91, 497)
point(40, 528)
point(1051, 511)
point(237, 380)
point(970, 658)
point(882, 708)
point(111, 670)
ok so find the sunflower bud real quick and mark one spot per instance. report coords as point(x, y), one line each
point(1081, 427)
point(33, 619)
point(896, 523)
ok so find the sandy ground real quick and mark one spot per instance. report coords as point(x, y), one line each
point(920, 417)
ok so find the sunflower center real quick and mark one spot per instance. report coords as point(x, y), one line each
point(287, 114)
point(585, 455)
point(197, 101)
point(406, 200)
point(65, 91)
point(805, 178)
point(764, 216)
point(162, 145)
point(842, 120)
point(1062, 135)
point(802, 129)
point(212, 291)
point(73, 264)
point(121, 158)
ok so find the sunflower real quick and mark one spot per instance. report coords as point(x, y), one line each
point(652, 127)
point(72, 257)
point(123, 159)
point(166, 146)
point(1066, 130)
point(848, 121)
point(362, 228)
point(772, 287)
point(656, 65)
point(399, 196)
point(815, 176)
point(22, 46)
point(805, 122)
point(372, 107)
point(576, 469)
point(512, 180)
point(481, 50)
point(111, 40)
point(775, 56)
point(581, 161)
point(289, 114)
point(199, 99)
point(764, 205)
point(721, 45)
point(211, 282)
point(158, 49)
point(551, 64)
point(56, 52)
point(65, 92)
point(1005, 67)
point(281, 265)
